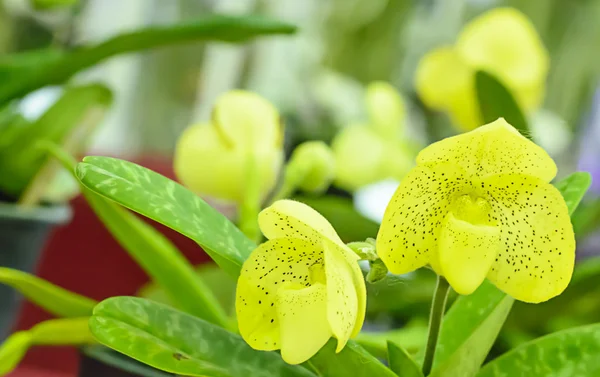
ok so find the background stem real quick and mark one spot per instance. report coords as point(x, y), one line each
point(438, 306)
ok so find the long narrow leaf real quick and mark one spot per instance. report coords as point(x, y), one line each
point(210, 28)
point(155, 254)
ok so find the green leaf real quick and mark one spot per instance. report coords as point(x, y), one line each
point(572, 352)
point(573, 188)
point(401, 362)
point(53, 299)
point(168, 203)
point(69, 331)
point(587, 217)
point(155, 253)
point(221, 284)
point(175, 342)
point(210, 28)
point(21, 159)
point(496, 101)
point(353, 361)
point(121, 362)
point(469, 330)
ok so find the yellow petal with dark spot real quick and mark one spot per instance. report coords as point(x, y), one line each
point(466, 253)
point(496, 148)
point(304, 325)
point(274, 264)
point(537, 251)
point(342, 300)
point(289, 218)
point(408, 236)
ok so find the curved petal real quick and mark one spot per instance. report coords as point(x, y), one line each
point(441, 75)
point(408, 236)
point(466, 253)
point(343, 306)
point(248, 121)
point(537, 253)
point(302, 314)
point(274, 264)
point(505, 43)
point(496, 148)
point(386, 109)
point(289, 218)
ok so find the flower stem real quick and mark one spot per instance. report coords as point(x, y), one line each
point(438, 306)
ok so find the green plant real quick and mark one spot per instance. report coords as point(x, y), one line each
point(25, 168)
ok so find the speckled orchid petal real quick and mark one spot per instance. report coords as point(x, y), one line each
point(537, 254)
point(496, 148)
point(342, 299)
point(304, 325)
point(466, 253)
point(289, 218)
point(290, 262)
point(246, 120)
point(301, 287)
point(408, 236)
point(505, 43)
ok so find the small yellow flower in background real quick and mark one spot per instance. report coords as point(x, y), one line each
point(502, 42)
point(480, 205)
point(214, 158)
point(301, 287)
point(367, 153)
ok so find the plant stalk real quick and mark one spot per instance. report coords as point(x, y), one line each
point(438, 306)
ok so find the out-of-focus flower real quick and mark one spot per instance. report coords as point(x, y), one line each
point(480, 205)
point(502, 42)
point(244, 138)
point(371, 152)
point(301, 287)
point(311, 167)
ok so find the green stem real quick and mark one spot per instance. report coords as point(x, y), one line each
point(438, 306)
point(251, 203)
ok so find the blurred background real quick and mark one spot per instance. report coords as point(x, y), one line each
point(317, 79)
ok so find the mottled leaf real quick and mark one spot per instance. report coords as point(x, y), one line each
point(117, 360)
point(496, 101)
point(572, 352)
point(353, 361)
point(48, 296)
point(402, 363)
point(469, 330)
point(411, 337)
point(175, 342)
point(155, 253)
point(573, 188)
point(168, 203)
point(210, 28)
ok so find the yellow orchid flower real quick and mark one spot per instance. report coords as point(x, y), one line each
point(479, 205)
point(244, 137)
point(371, 152)
point(502, 42)
point(301, 287)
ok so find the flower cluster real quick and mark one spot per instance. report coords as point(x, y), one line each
point(502, 42)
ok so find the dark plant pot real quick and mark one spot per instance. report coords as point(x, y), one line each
point(22, 237)
point(99, 361)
